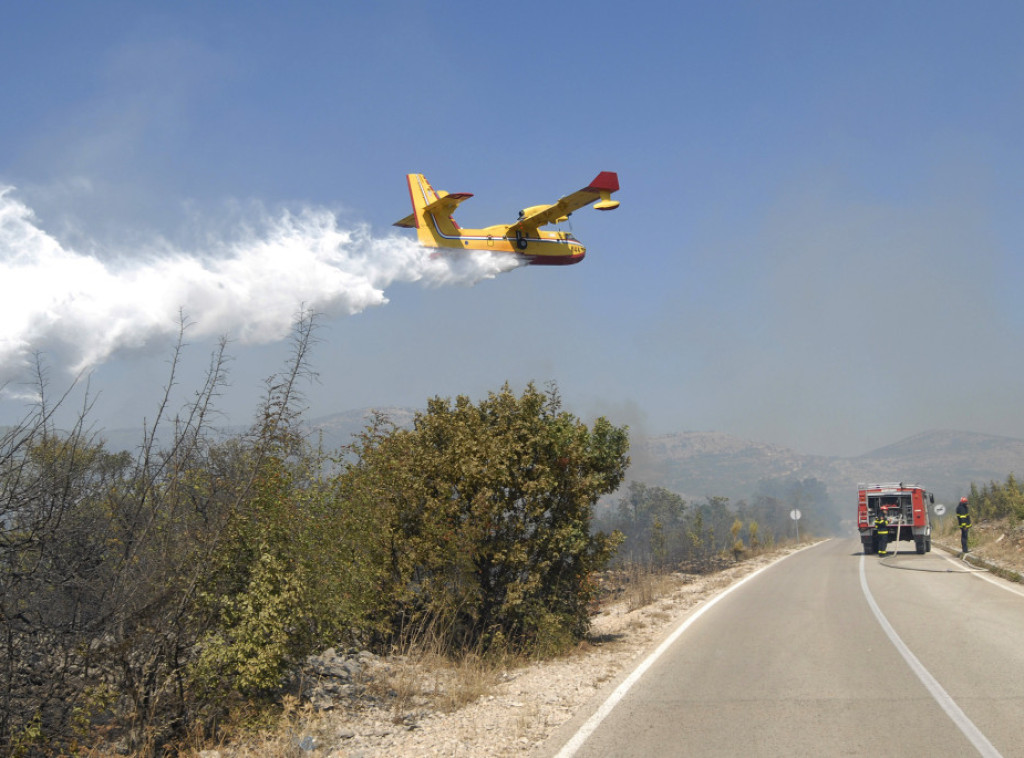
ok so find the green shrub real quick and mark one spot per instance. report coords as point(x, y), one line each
point(485, 513)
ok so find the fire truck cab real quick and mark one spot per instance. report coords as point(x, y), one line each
point(905, 508)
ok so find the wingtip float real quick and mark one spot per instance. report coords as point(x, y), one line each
point(433, 210)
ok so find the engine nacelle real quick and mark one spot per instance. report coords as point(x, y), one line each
point(533, 210)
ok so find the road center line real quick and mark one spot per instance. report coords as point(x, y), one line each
point(964, 724)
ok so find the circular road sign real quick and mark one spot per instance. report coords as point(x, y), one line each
point(794, 514)
point(939, 509)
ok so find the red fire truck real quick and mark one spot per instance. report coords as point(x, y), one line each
point(905, 507)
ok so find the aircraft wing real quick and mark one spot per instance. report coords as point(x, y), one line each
point(599, 189)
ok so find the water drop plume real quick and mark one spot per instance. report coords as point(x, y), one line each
point(82, 307)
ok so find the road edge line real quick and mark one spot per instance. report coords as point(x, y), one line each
point(943, 698)
point(590, 725)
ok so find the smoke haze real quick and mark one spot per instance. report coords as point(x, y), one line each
point(819, 243)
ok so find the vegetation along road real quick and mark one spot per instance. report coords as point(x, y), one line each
point(827, 652)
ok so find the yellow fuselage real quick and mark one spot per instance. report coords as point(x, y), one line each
point(555, 248)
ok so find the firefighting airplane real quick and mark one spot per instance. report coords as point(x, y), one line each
point(432, 219)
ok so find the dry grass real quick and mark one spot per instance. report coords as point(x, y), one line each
point(296, 730)
point(643, 586)
point(525, 720)
point(998, 545)
point(1003, 539)
point(1006, 551)
point(428, 680)
point(1001, 545)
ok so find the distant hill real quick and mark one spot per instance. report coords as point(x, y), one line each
point(943, 460)
point(339, 429)
point(699, 464)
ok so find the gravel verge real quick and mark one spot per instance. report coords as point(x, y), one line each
point(516, 711)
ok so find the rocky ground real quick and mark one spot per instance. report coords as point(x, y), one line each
point(362, 706)
point(359, 705)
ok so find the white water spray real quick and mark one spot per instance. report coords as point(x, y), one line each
point(56, 299)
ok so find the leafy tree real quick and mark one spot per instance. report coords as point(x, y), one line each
point(738, 548)
point(661, 529)
point(486, 510)
point(149, 592)
point(995, 500)
point(54, 577)
point(776, 498)
point(280, 584)
point(754, 530)
point(700, 550)
point(102, 561)
point(652, 519)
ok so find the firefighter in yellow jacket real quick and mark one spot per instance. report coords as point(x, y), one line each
point(882, 530)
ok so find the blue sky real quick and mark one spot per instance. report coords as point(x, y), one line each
point(818, 243)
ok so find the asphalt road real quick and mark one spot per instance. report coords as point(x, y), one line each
point(828, 653)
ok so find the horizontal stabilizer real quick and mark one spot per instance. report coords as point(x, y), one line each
point(446, 204)
point(425, 201)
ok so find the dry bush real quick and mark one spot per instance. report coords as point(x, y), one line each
point(645, 586)
point(1008, 547)
point(428, 680)
point(292, 730)
point(999, 542)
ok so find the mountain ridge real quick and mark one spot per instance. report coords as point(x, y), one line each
point(697, 464)
point(946, 461)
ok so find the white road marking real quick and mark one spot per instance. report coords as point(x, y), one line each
point(964, 724)
point(984, 574)
point(569, 748)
